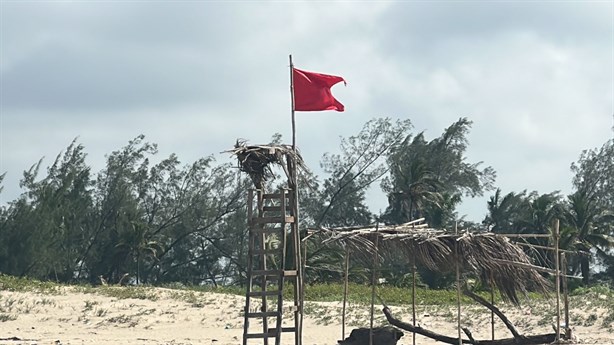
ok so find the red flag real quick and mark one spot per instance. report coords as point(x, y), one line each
point(312, 91)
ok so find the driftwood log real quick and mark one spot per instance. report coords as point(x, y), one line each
point(516, 339)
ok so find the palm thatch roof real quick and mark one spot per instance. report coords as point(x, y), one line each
point(256, 161)
point(492, 258)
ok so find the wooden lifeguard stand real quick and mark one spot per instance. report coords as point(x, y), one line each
point(274, 252)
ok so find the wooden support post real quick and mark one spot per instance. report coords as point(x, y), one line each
point(558, 280)
point(252, 240)
point(566, 297)
point(263, 267)
point(300, 262)
point(345, 290)
point(458, 287)
point(374, 282)
point(492, 301)
point(413, 294)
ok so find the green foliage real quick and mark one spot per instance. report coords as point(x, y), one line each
point(152, 220)
point(504, 211)
point(594, 174)
point(136, 292)
point(429, 178)
point(593, 292)
point(591, 210)
point(227, 289)
point(136, 222)
point(341, 201)
point(21, 284)
point(43, 229)
point(391, 295)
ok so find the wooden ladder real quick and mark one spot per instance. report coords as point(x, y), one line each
point(273, 232)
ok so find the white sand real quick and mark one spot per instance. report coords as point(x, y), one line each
point(182, 317)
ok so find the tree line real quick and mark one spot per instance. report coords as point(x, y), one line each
point(171, 222)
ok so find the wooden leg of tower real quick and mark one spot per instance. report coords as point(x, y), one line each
point(250, 251)
point(298, 281)
point(249, 288)
point(282, 262)
point(263, 267)
point(263, 288)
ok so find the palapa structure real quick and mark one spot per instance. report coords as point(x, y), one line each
point(489, 257)
point(492, 258)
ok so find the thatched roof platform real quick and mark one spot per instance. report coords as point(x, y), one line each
point(256, 161)
point(492, 258)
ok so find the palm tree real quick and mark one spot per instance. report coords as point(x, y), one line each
point(503, 211)
point(536, 216)
point(135, 244)
point(417, 188)
point(587, 231)
point(539, 212)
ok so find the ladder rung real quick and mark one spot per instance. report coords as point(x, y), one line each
point(260, 335)
point(267, 251)
point(269, 220)
point(290, 273)
point(263, 293)
point(266, 272)
point(266, 230)
point(275, 208)
point(263, 314)
point(271, 334)
point(272, 195)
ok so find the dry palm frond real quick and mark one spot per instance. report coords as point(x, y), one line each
point(256, 160)
point(488, 256)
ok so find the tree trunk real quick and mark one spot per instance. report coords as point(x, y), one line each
point(138, 268)
point(584, 269)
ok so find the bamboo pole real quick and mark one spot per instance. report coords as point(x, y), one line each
point(534, 267)
point(526, 235)
point(300, 265)
point(373, 285)
point(345, 290)
point(558, 280)
point(492, 301)
point(544, 247)
point(566, 297)
point(413, 295)
point(458, 288)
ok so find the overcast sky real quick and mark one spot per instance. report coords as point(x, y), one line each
point(535, 77)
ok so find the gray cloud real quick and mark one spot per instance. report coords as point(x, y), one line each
point(535, 77)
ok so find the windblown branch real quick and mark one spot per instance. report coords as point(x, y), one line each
point(495, 310)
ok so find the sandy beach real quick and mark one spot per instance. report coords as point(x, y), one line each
point(181, 317)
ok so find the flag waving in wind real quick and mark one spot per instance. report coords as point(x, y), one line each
point(312, 91)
